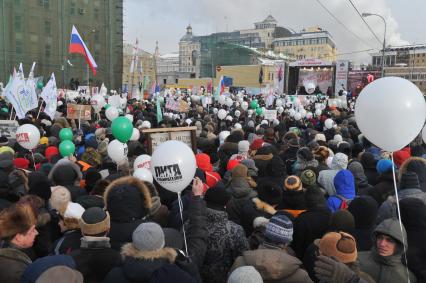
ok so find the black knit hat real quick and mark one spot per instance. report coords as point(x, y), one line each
point(364, 209)
point(4, 141)
point(409, 180)
point(39, 185)
point(217, 197)
point(305, 154)
point(269, 192)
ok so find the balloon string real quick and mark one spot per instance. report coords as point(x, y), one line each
point(32, 153)
point(183, 226)
point(399, 217)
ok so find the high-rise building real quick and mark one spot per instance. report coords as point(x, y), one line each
point(39, 31)
point(408, 62)
point(312, 42)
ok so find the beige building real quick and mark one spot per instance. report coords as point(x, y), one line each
point(408, 62)
point(247, 75)
point(189, 55)
point(143, 71)
point(312, 42)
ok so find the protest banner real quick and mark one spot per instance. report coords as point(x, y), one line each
point(8, 128)
point(270, 115)
point(76, 111)
point(159, 135)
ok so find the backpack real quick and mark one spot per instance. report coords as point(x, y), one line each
point(344, 204)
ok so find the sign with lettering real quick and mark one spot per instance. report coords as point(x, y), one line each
point(270, 115)
point(159, 135)
point(76, 111)
point(8, 128)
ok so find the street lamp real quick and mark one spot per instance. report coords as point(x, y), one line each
point(384, 39)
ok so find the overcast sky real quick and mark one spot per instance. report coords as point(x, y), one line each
point(165, 20)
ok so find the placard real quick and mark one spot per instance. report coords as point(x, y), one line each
point(159, 135)
point(8, 128)
point(76, 111)
point(270, 115)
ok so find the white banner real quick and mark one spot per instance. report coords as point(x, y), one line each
point(342, 67)
point(50, 96)
point(270, 115)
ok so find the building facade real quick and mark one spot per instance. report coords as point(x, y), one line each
point(168, 68)
point(39, 31)
point(407, 62)
point(144, 68)
point(309, 43)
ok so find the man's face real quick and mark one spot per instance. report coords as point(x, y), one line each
point(386, 245)
point(26, 240)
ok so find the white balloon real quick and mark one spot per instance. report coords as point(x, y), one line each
point(292, 112)
point(280, 110)
point(250, 112)
point(123, 103)
point(135, 135)
point(147, 124)
point(310, 87)
point(297, 116)
point(111, 113)
point(195, 98)
point(240, 99)
point(130, 117)
point(390, 112)
point(229, 102)
point(302, 113)
point(244, 105)
point(144, 174)
point(97, 101)
point(221, 114)
point(264, 122)
point(279, 102)
point(238, 126)
point(28, 136)
point(173, 165)
point(228, 118)
point(275, 122)
point(237, 104)
point(215, 110)
point(222, 99)
point(308, 115)
point(424, 134)
point(117, 151)
point(237, 113)
point(328, 123)
point(142, 161)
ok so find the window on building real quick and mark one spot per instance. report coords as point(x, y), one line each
point(47, 50)
point(44, 3)
point(176, 81)
point(47, 27)
point(17, 2)
point(19, 47)
point(96, 13)
point(17, 23)
point(72, 8)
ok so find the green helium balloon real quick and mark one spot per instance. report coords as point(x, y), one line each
point(122, 129)
point(254, 104)
point(107, 106)
point(65, 134)
point(40, 85)
point(4, 109)
point(259, 111)
point(66, 148)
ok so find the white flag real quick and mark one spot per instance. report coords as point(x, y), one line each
point(50, 96)
point(31, 87)
point(17, 92)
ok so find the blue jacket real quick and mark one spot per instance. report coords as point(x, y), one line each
point(344, 182)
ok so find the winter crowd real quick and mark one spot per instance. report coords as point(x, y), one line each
point(281, 201)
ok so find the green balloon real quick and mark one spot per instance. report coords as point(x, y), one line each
point(259, 111)
point(4, 109)
point(122, 129)
point(107, 106)
point(65, 134)
point(66, 148)
point(254, 104)
point(40, 85)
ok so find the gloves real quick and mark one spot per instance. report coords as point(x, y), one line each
point(331, 270)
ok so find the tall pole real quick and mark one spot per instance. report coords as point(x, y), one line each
point(4, 39)
point(384, 39)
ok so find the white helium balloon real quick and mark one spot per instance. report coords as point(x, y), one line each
point(135, 135)
point(222, 99)
point(237, 104)
point(188, 121)
point(28, 136)
point(97, 101)
point(147, 124)
point(123, 103)
point(215, 110)
point(240, 99)
point(279, 102)
point(292, 112)
point(221, 114)
point(297, 116)
point(250, 112)
point(228, 118)
point(302, 112)
point(328, 123)
point(310, 87)
point(244, 105)
point(308, 115)
point(144, 174)
point(111, 113)
point(237, 113)
point(130, 117)
point(142, 161)
point(117, 151)
point(280, 110)
point(390, 112)
point(229, 102)
point(238, 126)
point(173, 165)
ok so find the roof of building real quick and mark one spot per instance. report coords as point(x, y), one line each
point(169, 55)
point(269, 19)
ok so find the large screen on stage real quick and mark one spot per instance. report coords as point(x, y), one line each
point(323, 78)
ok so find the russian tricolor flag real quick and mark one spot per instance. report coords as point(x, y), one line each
point(77, 45)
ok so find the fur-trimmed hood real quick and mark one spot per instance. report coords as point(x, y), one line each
point(127, 199)
point(263, 206)
point(168, 254)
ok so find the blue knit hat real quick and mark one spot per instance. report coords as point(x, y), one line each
point(383, 166)
point(279, 230)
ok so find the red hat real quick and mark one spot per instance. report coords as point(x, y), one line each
point(401, 155)
point(21, 163)
point(51, 151)
point(232, 163)
point(256, 144)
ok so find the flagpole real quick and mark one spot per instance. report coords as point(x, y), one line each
point(39, 109)
point(11, 113)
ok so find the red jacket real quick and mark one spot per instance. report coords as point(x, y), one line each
point(203, 162)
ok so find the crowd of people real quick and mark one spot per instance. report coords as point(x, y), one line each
point(285, 200)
